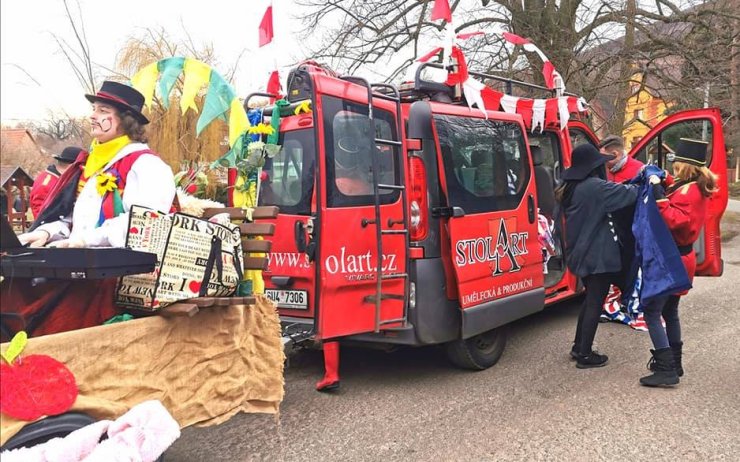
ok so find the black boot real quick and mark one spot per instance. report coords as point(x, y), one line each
point(677, 349)
point(664, 368)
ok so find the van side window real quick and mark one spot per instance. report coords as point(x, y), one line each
point(350, 145)
point(486, 163)
point(549, 144)
point(289, 176)
point(660, 150)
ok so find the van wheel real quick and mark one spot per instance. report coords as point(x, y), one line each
point(479, 352)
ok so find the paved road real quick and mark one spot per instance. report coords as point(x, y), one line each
point(733, 205)
point(533, 405)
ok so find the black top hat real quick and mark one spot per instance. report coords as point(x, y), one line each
point(584, 159)
point(69, 154)
point(122, 97)
point(692, 152)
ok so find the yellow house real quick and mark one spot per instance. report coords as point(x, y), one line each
point(642, 112)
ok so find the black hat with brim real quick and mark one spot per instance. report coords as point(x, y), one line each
point(692, 152)
point(69, 154)
point(122, 97)
point(583, 160)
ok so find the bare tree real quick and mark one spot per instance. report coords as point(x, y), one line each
point(596, 45)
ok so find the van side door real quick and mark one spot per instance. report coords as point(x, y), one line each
point(491, 226)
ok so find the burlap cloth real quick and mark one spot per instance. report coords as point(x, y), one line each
point(204, 369)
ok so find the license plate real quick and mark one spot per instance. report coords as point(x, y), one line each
point(291, 299)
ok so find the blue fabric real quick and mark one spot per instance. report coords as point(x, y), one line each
point(656, 253)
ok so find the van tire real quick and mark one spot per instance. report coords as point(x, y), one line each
point(479, 352)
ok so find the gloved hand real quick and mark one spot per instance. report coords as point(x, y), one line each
point(37, 238)
point(68, 244)
point(654, 179)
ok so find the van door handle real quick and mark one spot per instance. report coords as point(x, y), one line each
point(530, 208)
point(300, 236)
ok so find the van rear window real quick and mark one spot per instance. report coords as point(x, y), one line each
point(350, 135)
point(289, 178)
point(485, 161)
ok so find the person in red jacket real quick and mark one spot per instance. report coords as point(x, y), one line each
point(618, 170)
point(683, 206)
point(46, 180)
point(622, 167)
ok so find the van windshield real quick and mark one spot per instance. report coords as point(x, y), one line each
point(288, 178)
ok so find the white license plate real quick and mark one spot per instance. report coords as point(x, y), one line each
point(291, 299)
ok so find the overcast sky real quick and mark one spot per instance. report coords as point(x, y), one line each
point(35, 77)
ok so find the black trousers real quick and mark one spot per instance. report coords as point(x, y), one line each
point(597, 287)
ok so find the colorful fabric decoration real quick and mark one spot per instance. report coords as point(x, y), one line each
point(146, 79)
point(273, 85)
point(35, 385)
point(266, 31)
point(218, 100)
point(197, 74)
point(108, 186)
point(303, 108)
point(169, 71)
point(441, 10)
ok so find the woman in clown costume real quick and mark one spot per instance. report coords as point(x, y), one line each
point(89, 208)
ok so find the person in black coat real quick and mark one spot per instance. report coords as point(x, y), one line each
point(592, 248)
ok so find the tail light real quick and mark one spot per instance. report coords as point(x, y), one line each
point(418, 206)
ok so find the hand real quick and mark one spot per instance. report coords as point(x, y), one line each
point(37, 238)
point(654, 179)
point(68, 244)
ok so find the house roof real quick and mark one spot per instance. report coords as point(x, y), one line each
point(9, 172)
point(15, 135)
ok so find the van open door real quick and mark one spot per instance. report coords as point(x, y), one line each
point(486, 174)
point(362, 230)
point(657, 148)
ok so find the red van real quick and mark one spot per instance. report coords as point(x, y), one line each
point(408, 218)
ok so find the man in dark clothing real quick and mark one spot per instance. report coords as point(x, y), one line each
point(591, 242)
point(45, 181)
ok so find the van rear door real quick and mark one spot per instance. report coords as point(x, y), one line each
point(486, 175)
point(657, 147)
point(347, 254)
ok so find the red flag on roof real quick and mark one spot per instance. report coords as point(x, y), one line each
point(266, 31)
point(273, 85)
point(515, 39)
point(441, 10)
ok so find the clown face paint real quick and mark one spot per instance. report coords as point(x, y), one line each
point(105, 123)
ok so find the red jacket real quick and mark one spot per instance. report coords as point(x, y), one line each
point(684, 211)
point(627, 172)
point(42, 186)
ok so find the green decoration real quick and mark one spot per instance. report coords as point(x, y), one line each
point(169, 70)
point(275, 121)
point(218, 101)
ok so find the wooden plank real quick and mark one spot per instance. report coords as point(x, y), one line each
point(255, 263)
point(179, 310)
point(265, 211)
point(203, 302)
point(257, 229)
point(253, 245)
point(209, 212)
point(238, 213)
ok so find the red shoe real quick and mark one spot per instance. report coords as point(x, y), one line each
point(331, 368)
